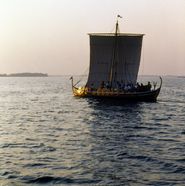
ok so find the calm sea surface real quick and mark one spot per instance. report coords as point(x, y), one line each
point(48, 137)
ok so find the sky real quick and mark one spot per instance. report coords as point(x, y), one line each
point(51, 36)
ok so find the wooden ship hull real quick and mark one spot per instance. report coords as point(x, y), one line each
point(104, 94)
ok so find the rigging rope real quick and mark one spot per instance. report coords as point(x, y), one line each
point(142, 60)
point(82, 76)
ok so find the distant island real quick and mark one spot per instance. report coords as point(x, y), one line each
point(25, 74)
point(181, 76)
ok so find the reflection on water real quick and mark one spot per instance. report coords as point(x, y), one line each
point(49, 137)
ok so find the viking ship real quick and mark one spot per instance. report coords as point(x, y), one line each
point(113, 71)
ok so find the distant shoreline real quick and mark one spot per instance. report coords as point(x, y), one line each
point(26, 74)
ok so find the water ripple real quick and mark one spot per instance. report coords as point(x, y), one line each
point(48, 137)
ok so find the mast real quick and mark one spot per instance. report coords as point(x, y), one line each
point(113, 64)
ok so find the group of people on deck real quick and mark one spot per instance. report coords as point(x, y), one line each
point(121, 86)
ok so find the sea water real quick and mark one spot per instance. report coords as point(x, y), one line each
point(49, 137)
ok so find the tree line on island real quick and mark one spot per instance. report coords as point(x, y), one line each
point(25, 74)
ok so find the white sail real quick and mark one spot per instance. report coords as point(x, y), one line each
point(114, 58)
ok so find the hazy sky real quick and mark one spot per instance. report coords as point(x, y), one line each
point(51, 35)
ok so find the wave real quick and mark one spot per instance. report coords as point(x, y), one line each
point(58, 180)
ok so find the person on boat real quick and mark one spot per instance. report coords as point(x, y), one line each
point(142, 88)
point(102, 85)
point(118, 85)
point(137, 87)
point(149, 86)
point(107, 85)
point(127, 88)
point(132, 88)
